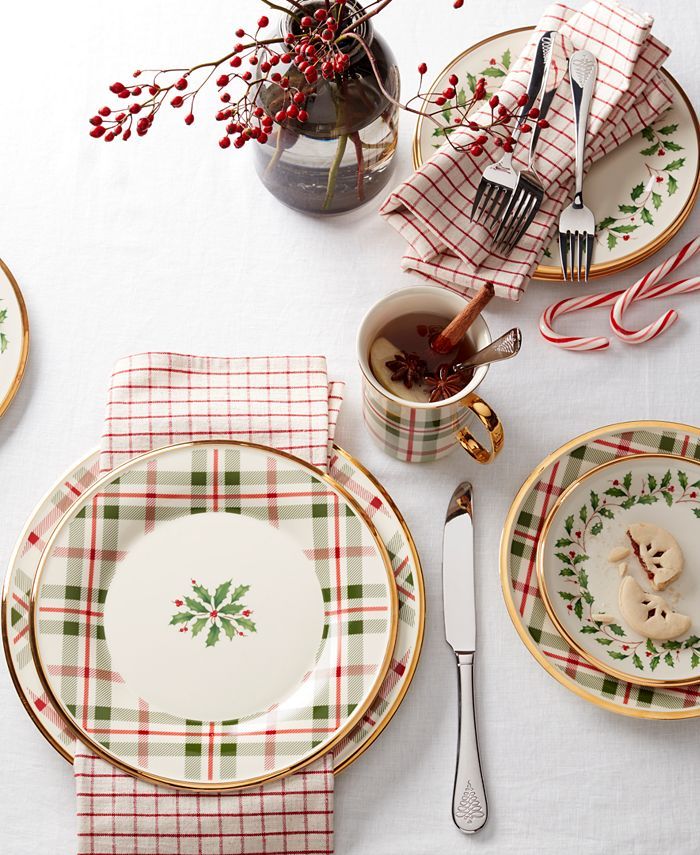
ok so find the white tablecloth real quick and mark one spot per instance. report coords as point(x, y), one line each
point(170, 243)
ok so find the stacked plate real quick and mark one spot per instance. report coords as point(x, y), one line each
point(566, 551)
point(214, 614)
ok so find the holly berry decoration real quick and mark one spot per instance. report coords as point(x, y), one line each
point(222, 611)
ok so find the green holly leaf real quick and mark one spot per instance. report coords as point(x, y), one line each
point(578, 609)
point(471, 82)
point(221, 592)
point(566, 571)
point(589, 630)
point(583, 579)
point(462, 98)
point(667, 130)
point(202, 593)
point(196, 606)
point(604, 641)
point(696, 485)
point(653, 483)
point(569, 524)
point(617, 629)
point(181, 617)
point(583, 514)
point(238, 593)
point(650, 646)
point(615, 491)
point(4, 342)
point(579, 559)
point(615, 654)
point(246, 623)
point(637, 662)
point(213, 635)
point(3, 316)
point(682, 479)
point(607, 222)
point(628, 209)
point(647, 500)
point(447, 115)
point(653, 663)
point(656, 200)
point(671, 185)
point(668, 659)
point(588, 597)
point(199, 625)
point(505, 58)
point(691, 641)
point(672, 146)
point(648, 134)
point(231, 609)
point(647, 217)
point(625, 230)
point(627, 481)
point(441, 132)
point(493, 71)
point(674, 165)
point(567, 595)
point(694, 660)
point(607, 513)
point(696, 511)
point(612, 240)
point(647, 152)
point(562, 556)
point(595, 500)
point(666, 480)
point(668, 497)
point(672, 645)
point(637, 191)
point(562, 542)
point(229, 629)
point(596, 529)
point(628, 503)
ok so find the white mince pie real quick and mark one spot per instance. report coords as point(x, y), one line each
point(658, 553)
point(649, 614)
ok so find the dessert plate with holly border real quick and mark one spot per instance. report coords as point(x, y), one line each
point(522, 532)
point(580, 585)
point(14, 337)
point(213, 614)
point(642, 192)
point(348, 472)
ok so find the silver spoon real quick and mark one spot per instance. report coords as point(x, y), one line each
point(505, 347)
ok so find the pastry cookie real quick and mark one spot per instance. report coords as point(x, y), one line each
point(658, 553)
point(649, 614)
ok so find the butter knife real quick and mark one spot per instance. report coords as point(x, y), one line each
point(469, 809)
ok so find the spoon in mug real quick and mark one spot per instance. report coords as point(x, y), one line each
point(505, 347)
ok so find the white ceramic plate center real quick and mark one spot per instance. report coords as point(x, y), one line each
point(179, 667)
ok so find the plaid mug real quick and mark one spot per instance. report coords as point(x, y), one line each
point(419, 432)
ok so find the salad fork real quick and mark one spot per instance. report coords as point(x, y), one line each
point(577, 222)
point(498, 180)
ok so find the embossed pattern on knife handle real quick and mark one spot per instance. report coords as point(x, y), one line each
point(469, 809)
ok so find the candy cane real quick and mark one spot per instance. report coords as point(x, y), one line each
point(640, 290)
point(574, 304)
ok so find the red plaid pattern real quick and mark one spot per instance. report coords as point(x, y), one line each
point(157, 399)
point(431, 209)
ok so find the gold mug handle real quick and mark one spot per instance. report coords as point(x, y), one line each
point(490, 421)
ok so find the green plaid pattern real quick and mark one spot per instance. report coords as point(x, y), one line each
point(181, 482)
point(411, 434)
point(520, 551)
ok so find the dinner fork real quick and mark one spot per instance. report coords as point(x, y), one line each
point(527, 196)
point(499, 179)
point(577, 222)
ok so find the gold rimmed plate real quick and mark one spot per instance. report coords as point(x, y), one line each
point(14, 337)
point(348, 472)
point(213, 614)
point(642, 192)
point(580, 584)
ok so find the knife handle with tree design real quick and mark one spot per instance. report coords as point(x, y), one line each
point(469, 808)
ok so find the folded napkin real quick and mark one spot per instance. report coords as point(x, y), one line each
point(431, 209)
point(157, 399)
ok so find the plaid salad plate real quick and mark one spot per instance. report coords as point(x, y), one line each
point(366, 490)
point(213, 614)
point(520, 541)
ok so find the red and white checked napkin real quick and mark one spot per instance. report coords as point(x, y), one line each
point(157, 399)
point(431, 209)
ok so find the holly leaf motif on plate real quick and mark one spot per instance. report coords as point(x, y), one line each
point(637, 662)
point(213, 635)
point(617, 629)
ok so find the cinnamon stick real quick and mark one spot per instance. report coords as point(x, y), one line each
point(454, 332)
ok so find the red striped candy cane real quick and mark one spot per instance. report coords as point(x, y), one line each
point(640, 290)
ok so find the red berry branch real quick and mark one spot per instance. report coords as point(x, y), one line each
point(263, 82)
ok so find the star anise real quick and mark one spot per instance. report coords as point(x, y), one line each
point(407, 368)
point(443, 384)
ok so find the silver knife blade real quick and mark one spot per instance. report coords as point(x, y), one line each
point(458, 572)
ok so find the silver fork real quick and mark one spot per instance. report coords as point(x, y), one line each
point(577, 222)
point(528, 193)
point(499, 179)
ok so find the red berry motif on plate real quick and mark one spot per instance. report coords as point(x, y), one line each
point(220, 612)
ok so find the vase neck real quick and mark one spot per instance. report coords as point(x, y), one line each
point(353, 11)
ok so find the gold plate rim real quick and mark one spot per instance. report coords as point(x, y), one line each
point(203, 786)
point(550, 273)
point(600, 664)
point(24, 354)
point(567, 682)
point(361, 747)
